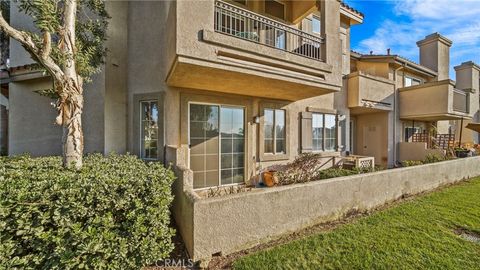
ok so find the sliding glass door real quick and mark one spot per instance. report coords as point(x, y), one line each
point(217, 145)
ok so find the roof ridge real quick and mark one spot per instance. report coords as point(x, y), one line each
point(394, 56)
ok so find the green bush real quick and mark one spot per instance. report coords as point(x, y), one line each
point(409, 163)
point(112, 214)
point(432, 158)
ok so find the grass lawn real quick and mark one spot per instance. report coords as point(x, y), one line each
point(416, 234)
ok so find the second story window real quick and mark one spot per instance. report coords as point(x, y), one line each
point(275, 8)
point(316, 26)
point(410, 81)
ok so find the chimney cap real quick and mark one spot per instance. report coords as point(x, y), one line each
point(468, 64)
point(435, 37)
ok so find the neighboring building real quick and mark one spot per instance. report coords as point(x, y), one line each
point(397, 105)
point(225, 89)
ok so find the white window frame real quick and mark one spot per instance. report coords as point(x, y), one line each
point(275, 131)
point(245, 158)
point(316, 18)
point(412, 79)
point(323, 115)
point(141, 126)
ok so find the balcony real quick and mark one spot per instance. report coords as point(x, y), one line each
point(368, 93)
point(226, 48)
point(241, 23)
point(434, 101)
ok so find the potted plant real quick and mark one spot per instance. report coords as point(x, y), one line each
point(461, 152)
point(269, 178)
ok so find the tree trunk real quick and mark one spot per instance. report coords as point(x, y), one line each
point(73, 137)
point(70, 108)
point(71, 94)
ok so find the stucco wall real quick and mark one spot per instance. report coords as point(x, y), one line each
point(416, 151)
point(372, 136)
point(238, 221)
point(116, 69)
point(104, 115)
point(151, 25)
point(32, 117)
point(423, 101)
point(31, 120)
point(18, 56)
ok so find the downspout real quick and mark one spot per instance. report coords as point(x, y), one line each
point(395, 92)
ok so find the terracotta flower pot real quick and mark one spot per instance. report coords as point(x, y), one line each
point(269, 179)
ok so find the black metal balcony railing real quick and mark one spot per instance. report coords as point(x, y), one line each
point(247, 25)
point(460, 101)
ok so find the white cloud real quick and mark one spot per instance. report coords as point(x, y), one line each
point(399, 37)
point(438, 9)
point(455, 19)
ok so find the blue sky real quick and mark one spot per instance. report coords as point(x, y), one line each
point(399, 24)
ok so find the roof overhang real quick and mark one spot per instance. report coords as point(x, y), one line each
point(23, 73)
point(354, 17)
point(396, 60)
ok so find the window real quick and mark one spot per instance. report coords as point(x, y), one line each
point(274, 131)
point(409, 131)
point(409, 81)
point(324, 132)
point(149, 130)
point(316, 25)
point(217, 145)
point(275, 9)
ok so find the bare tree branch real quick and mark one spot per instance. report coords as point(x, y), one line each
point(42, 56)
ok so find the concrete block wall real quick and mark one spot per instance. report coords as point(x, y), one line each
point(234, 222)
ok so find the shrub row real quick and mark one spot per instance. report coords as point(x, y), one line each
point(309, 167)
point(430, 158)
point(112, 214)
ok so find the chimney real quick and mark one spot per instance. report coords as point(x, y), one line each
point(435, 54)
point(388, 51)
point(468, 78)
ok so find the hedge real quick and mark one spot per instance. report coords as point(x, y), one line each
point(112, 214)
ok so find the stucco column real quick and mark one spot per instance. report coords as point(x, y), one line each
point(330, 27)
point(435, 54)
point(468, 78)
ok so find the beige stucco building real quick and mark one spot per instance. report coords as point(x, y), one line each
point(224, 89)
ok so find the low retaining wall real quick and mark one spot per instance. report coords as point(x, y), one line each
point(234, 222)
